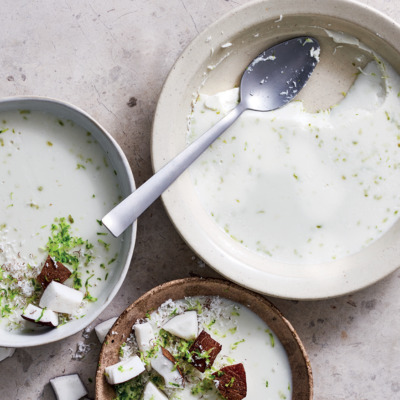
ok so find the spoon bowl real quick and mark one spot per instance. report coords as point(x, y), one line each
point(277, 75)
point(270, 81)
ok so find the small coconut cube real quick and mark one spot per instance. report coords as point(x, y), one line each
point(6, 352)
point(68, 387)
point(184, 325)
point(103, 328)
point(52, 271)
point(165, 364)
point(151, 392)
point(204, 351)
point(231, 382)
point(40, 316)
point(144, 336)
point(61, 298)
point(124, 370)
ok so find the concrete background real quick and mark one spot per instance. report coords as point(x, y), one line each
point(100, 54)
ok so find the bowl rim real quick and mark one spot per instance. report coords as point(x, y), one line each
point(53, 335)
point(197, 286)
point(291, 285)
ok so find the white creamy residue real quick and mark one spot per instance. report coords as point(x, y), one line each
point(51, 169)
point(305, 187)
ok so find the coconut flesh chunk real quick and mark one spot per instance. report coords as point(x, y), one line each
point(124, 370)
point(68, 387)
point(230, 381)
point(204, 351)
point(40, 316)
point(184, 325)
point(52, 271)
point(103, 328)
point(61, 298)
point(6, 352)
point(167, 369)
point(151, 392)
point(144, 336)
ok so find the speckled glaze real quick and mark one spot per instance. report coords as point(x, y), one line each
point(302, 380)
point(210, 66)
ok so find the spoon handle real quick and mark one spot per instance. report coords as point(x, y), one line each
point(126, 212)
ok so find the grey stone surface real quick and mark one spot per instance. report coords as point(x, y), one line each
point(110, 58)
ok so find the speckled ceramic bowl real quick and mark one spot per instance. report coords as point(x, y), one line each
point(209, 66)
point(302, 381)
point(126, 183)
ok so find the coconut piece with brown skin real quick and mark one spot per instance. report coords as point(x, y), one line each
point(164, 363)
point(40, 316)
point(230, 381)
point(53, 271)
point(171, 358)
point(204, 350)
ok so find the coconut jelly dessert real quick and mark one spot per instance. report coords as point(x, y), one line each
point(303, 187)
point(56, 184)
point(203, 347)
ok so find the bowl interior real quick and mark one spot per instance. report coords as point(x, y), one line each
point(179, 289)
point(208, 66)
point(119, 163)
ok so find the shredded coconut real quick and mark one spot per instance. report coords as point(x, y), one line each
point(81, 350)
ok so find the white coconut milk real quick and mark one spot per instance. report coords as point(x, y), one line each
point(51, 169)
point(304, 187)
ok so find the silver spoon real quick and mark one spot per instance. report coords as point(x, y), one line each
point(270, 81)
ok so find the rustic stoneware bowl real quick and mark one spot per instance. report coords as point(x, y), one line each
point(302, 380)
point(214, 61)
point(119, 163)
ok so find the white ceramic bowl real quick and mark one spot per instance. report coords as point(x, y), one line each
point(250, 30)
point(119, 163)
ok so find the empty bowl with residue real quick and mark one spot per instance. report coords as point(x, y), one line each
point(300, 202)
point(59, 267)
